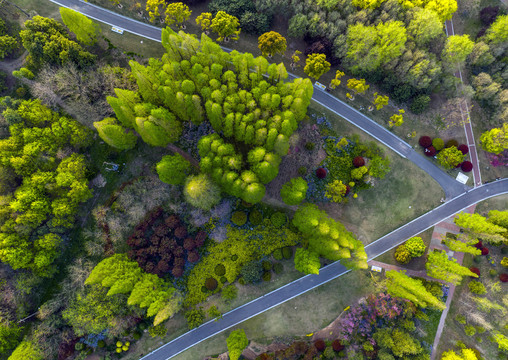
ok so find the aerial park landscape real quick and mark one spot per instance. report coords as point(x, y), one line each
point(269, 179)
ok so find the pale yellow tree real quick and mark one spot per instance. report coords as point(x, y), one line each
point(205, 20)
point(153, 8)
point(336, 81)
point(177, 13)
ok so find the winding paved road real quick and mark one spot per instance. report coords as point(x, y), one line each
point(450, 186)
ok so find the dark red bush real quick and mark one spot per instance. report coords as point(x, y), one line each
point(179, 262)
point(211, 283)
point(177, 271)
point(320, 345)
point(180, 232)
point(162, 267)
point(451, 142)
point(485, 251)
point(503, 277)
point(188, 244)
point(172, 221)
point(425, 141)
point(321, 173)
point(193, 257)
point(200, 238)
point(466, 166)
point(337, 346)
point(478, 245)
point(430, 151)
point(358, 161)
point(488, 14)
point(464, 149)
point(348, 189)
point(475, 270)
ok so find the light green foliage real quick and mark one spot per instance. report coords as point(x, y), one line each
point(499, 218)
point(443, 8)
point(247, 245)
point(336, 80)
point(307, 261)
point(440, 267)
point(204, 20)
point(402, 254)
point(47, 42)
point(298, 25)
point(396, 119)
point(271, 43)
point(294, 191)
point(329, 238)
point(450, 157)
point(173, 169)
point(495, 140)
point(115, 135)
point(85, 29)
point(153, 7)
point(380, 101)
point(501, 340)
point(195, 317)
point(27, 350)
point(237, 341)
point(487, 306)
point(415, 246)
point(226, 26)
point(498, 31)
point(9, 336)
point(336, 190)
point(467, 354)
point(229, 292)
point(460, 246)
point(369, 47)
point(177, 13)
point(368, 4)
point(201, 192)
point(399, 342)
point(7, 45)
point(480, 226)
point(456, 50)
point(316, 65)
point(357, 85)
point(504, 262)
point(401, 285)
point(477, 287)
point(438, 144)
point(425, 25)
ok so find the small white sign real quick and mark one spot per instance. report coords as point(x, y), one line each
point(319, 85)
point(462, 178)
point(117, 30)
point(377, 268)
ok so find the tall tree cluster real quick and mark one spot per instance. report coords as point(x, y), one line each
point(195, 81)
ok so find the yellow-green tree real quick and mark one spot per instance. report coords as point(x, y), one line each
point(450, 157)
point(380, 101)
point(336, 80)
point(177, 13)
point(271, 43)
point(85, 29)
point(466, 354)
point(336, 190)
point(316, 65)
point(456, 50)
point(295, 59)
point(439, 266)
point(237, 341)
point(401, 285)
point(357, 85)
point(425, 25)
point(396, 119)
point(205, 20)
point(495, 140)
point(153, 7)
point(226, 26)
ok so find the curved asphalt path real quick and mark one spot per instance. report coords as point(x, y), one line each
point(450, 186)
point(327, 273)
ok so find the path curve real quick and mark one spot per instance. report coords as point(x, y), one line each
point(450, 186)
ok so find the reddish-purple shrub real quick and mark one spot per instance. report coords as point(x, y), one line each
point(475, 270)
point(180, 232)
point(485, 251)
point(200, 238)
point(321, 173)
point(478, 245)
point(425, 141)
point(172, 221)
point(179, 262)
point(466, 166)
point(177, 271)
point(162, 267)
point(430, 151)
point(193, 256)
point(320, 345)
point(348, 189)
point(503, 277)
point(188, 244)
point(337, 346)
point(358, 161)
point(488, 14)
point(464, 149)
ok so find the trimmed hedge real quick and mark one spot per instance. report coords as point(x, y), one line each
point(485, 251)
point(267, 265)
point(464, 149)
point(425, 141)
point(337, 345)
point(320, 345)
point(278, 268)
point(255, 217)
point(466, 166)
point(278, 219)
point(277, 254)
point(452, 143)
point(503, 278)
point(239, 218)
point(438, 144)
point(220, 270)
point(267, 276)
point(475, 270)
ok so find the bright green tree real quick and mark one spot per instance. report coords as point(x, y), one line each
point(177, 13)
point(336, 80)
point(401, 285)
point(226, 26)
point(153, 7)
point(478, 225)
point(439, 266)
point(498, 33)
point(237, 342)
point(495, 140)
point(456, 50)
point(415, 246)
point(395, 340)
point(336, 190)
point(498, 217)
point(271, 43)
point(201, 192)
point(425, 25)
point(316, 65)
point(380, 101)
point(460, 246)
point(7, 45)
point(173, 169)
point(115, 135)
point(9, 336)
point(26, 350)
point(205, 21)
point(396, 119)
point(450, 157)
point(85, 29)
point(294, 191)
point(467, 354)
point(307, 261)
point(357, 85)
point(501, 340)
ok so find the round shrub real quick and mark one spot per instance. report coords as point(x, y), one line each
point(402, 254)
point(180, 232)
point(79, 346)
point(464, 149)
point(470, 330)
point(309, 146)
point(438, 144)
point(255, 217)
point(211, 284)
point(475, 270)
point(319, 344)
point(425, 141)
point(415, 246)
point(220, 270)
point(267, 276)
point(200, 238)
point(278, 268)
point(302, 170)
point(137, 335)
point(241, 281)
point(101, 343)
point(287, 252)
point(478, 245)
point(466, 166)
point(193, 256)
point(234, 257)
point(503, 278)
point(223, 279)
point(461, 319)
point(177, 271)
point(278, 219)
point(476, 287)
point(452, 143)
point(504, 250)
point(252, 272)
point(420, 104)
point(321, 173)
point(504, 262)
point(267, 265)
point(188, 244)
point(337, 346)
point(492, 273)
point(277, 254)
point(430, 151)
point(201, 192)
point(239, 218)
point(485, 251)
point(358, 161)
